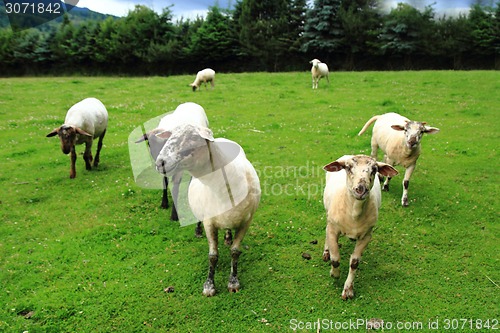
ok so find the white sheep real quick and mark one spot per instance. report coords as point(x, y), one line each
point(352, 198)
point(85, 121)
point(399, 138)
point(318, 70)
point(186, 113)
point(224, 192)
point(204, 76)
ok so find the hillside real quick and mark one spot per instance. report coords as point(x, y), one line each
point(44, 23)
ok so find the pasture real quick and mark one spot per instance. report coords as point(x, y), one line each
point(96, 253)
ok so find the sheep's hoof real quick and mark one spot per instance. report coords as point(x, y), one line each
point(209, 289)
point(326, 256)
point(234, 285)
point(385, 188)
point(404, 202)
point(348, 293)
point(335, 272)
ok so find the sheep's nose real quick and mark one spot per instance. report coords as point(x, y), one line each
point(360, 189)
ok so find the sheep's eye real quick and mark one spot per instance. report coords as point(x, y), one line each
point(187, 152)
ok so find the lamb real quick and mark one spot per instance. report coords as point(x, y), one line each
point(85, 121)
point(399, 138)
point(351, 198)
point(204, 76)
point(318, 70)
point(224, 192)
point(186, 113)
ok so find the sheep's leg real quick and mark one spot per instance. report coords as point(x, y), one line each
point(198, 232)
point(228, 238)
point(87, 155)
point(234, 284)
point(331, 251)
point(99, 147)
point(406, 184)
point(361, 245)
point(212, 83)
point(176, 179)
point(164, 199)
point(213, 257)
point(72, 170)
point(385, 186)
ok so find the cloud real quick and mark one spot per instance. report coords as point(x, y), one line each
point(180, 8)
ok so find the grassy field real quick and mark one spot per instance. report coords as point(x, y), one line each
point(96, 253)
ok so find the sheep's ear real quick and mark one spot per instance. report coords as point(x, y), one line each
point(53, 133)
point(164, 135)
point(386, 170)
point(398, 127)
point(334, 166)
point(82, 132)
point(144, 137)
point(431, 130)
point(206, 133)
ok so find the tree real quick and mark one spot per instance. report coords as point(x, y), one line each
point(214, 41)
point(481, 20)
point(454, 38)
point(406, 32)
point(324, 33)
point(360, 22)
point(263, 30)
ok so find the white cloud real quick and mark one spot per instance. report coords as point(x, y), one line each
point(113, 7)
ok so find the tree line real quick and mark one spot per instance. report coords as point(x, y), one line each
point(256, 35)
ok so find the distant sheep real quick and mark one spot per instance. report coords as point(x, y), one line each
point(186, 113)
point(318, 70)
point(204, 76)
point(224, 192)
point(352, 199)
point(399, 138)
point(85, 121)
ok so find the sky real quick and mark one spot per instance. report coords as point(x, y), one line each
point(192, 8)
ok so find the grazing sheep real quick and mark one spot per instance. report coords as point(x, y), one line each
point(186, 113)
point(224, 192)
point(399, 138)
point(318, 70)
point(85, 121)
point(206, 75)
point(352, 198)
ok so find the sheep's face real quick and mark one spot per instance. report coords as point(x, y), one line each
point(315, 63)
point(360, 173)
point(67, 135)
point(414, 131)
point(185, 149)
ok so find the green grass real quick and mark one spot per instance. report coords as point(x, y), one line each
point(94, 254)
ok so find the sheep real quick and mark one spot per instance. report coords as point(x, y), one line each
point(85, 121)
point(224, 192)
point(186, 113)
point(206, 75)
point(318, 70)
point(399, 138)
point(351, 198)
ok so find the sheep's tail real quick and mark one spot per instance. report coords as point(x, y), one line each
point(368, 123)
